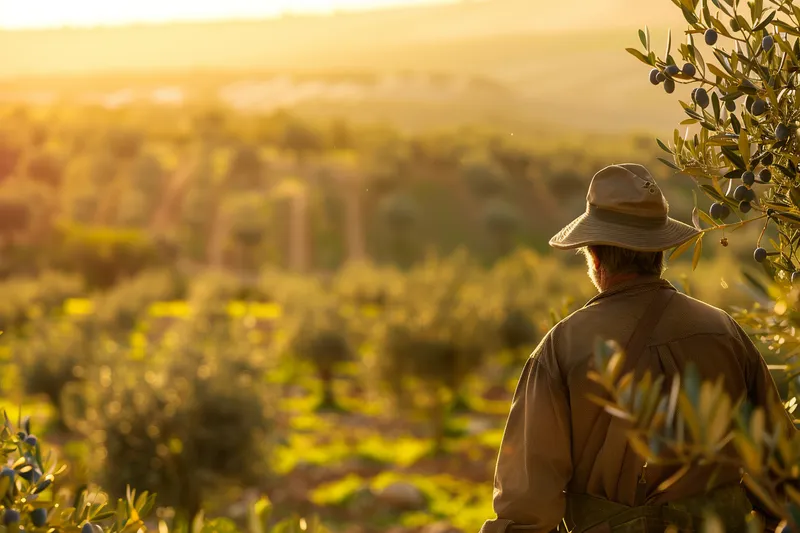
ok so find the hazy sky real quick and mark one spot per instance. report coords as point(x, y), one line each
point(45, 13)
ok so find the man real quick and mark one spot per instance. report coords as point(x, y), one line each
point(564, 461)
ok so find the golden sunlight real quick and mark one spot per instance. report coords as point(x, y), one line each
point(56, 13)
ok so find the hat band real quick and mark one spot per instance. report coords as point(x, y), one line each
point(625, 219)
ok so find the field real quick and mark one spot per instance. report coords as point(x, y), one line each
point(218, 313)
point(306, 258)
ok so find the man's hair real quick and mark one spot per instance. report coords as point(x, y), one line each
point(616, 260)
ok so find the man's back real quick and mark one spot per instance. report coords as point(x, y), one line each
point(689, 332)
point(557, 437)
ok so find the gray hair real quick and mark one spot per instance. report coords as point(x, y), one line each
point(616, 260)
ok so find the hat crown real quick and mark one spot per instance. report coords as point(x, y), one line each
point(629, 189)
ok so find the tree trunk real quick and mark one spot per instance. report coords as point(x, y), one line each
point(298, 241)
point(328, 400)
point(355, 224)
point(439, 419)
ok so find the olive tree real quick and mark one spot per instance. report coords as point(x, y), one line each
point(741, 148)
point(743, 153)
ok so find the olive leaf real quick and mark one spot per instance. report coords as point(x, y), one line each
point(698, 250)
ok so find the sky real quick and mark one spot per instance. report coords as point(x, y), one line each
point(19, 14)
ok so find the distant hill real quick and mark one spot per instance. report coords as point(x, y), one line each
point(556, 62)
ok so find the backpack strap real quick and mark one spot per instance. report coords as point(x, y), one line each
point(617, 443)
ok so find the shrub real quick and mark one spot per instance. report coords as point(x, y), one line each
point(485, 178)
point(57, 354)
point(29, 296)
point(197, 410)
point(120, 309)
point(104, 255)
point(437, 332)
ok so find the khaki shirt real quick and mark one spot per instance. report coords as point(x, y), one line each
point(554, 436)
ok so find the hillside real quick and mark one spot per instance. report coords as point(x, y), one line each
point(556, 62)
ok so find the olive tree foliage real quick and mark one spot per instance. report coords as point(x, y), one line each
point(740, 146)
point(37, 495)
point(744, 155)
point(689, 422)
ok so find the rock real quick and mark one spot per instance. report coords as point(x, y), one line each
point(403, 496)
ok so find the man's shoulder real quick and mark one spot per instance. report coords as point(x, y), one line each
point(685, 316)
point(699, 317)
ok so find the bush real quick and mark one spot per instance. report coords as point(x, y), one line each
point(485, 178)
point(58, 353)
point(120, 309)
point(104, 256)
point(437, 332)
point(194, 413)
point(28, 297)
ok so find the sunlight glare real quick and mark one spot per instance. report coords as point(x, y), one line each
point(55, 13)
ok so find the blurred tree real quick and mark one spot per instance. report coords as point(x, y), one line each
point(246, 170)
point(501, 220)
point(485, 178)
point(45, 168)
point(301, 140)
point(125, 143)
point(401, 213)
point(9, 157)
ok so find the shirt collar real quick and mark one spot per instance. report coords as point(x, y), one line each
point(637, 284)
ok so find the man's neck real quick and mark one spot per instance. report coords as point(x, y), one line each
point(610, 282)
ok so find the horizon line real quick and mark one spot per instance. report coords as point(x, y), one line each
point(400, 5)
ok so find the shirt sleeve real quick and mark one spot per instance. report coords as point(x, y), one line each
point(534, 465)
point(761, 388)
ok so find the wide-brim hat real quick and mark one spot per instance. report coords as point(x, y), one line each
point(624, 208)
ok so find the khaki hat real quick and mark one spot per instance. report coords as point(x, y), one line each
point(625, 208)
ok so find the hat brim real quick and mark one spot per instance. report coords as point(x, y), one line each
point(587, 230)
